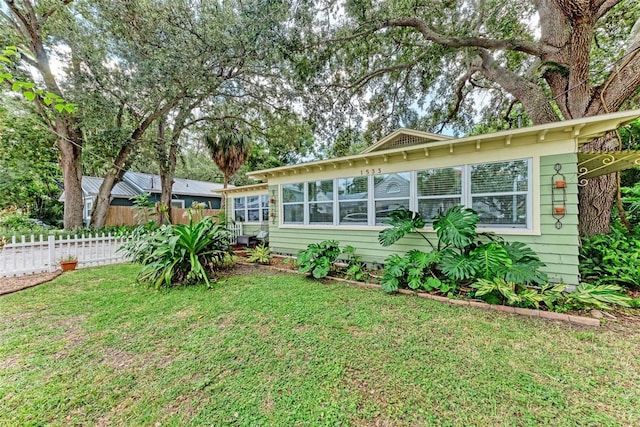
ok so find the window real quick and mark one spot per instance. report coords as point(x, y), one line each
point(89, 208)
point(177, 204)
point(500, 192)
point(387, 201)
point(320, 202)
point(264, 204)
point(251, 208)
point(353, 200)
point(438, 190)
point(293, 203)
point(239, 211)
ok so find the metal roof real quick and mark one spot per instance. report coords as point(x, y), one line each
point(122, 189)
point(149, 183)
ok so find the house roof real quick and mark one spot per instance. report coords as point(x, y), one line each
point(580, 131)
point(134, 183)
point(244, 189)
point(122, 189)
point(186, 187)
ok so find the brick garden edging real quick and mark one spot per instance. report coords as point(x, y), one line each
point(549, 315)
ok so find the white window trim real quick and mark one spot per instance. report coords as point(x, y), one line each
point(180, 201)
point(246, 209)
point(88, 207)
point(533, 221)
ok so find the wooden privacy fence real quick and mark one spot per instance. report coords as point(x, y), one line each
point(39, 254)
point(126, 215)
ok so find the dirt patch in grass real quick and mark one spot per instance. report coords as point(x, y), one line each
point(10, 362)
point(116, 358)
point(10, 285)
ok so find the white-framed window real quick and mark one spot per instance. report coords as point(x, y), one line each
point(353, 200)
point(293, 197)
point(390, 192)
point(438, 190)
point(319, 200)
point(500, 192)
point(251, 208)
point(88, 208)
point(179, 204)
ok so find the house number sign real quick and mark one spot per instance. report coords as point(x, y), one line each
point(372, 171)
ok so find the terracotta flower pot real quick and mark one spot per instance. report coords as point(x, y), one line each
point(559, 210)
point(68, 265)
point(561, 184)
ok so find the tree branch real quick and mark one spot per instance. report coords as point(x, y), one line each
point(459, 95)
point(526, 46)
point(532, 97)
point(604, 6)
point(381, 71)
point(51, 11)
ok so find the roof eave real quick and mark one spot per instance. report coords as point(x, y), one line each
point(582, 130)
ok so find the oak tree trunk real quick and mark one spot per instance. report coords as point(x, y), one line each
point(597, 196)
point(70, 145)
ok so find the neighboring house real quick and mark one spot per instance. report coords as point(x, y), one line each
point(185, 192)
point(523, 183)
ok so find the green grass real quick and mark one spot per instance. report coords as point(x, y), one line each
point(92, 347)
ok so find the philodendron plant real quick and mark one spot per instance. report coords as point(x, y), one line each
point(460, 254)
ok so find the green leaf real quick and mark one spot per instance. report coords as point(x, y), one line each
point(458, 266)
point(457, 227)
point(389, 285)
point(402, 222)
point(490, 258)
point(5, 59)
point(29, 95)
point(59, 107)
point(433, 283)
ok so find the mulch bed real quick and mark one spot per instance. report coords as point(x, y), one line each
point(9, 285)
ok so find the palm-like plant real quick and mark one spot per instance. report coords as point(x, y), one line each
point(229, 148)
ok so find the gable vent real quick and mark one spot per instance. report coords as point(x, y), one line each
point(405, 140)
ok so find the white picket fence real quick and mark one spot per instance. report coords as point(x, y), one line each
point(39, 254)
point(236, 230)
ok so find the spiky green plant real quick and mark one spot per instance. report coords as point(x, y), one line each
point(182, 253)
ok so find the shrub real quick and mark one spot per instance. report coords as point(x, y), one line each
point(318, 258)
point(602, 297)
point(179, 254)
point(261, 254)
point(612, 258)
point(460, 253)
point(14, 221)
point(585, 296)
point(355, 265)
point(500, 291)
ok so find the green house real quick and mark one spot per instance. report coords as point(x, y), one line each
point(523, 183)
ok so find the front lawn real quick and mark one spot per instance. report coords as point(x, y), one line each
point(262, 348)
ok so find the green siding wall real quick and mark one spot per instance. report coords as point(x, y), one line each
point(557, 248)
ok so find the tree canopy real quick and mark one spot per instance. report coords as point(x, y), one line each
point(428, 65)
